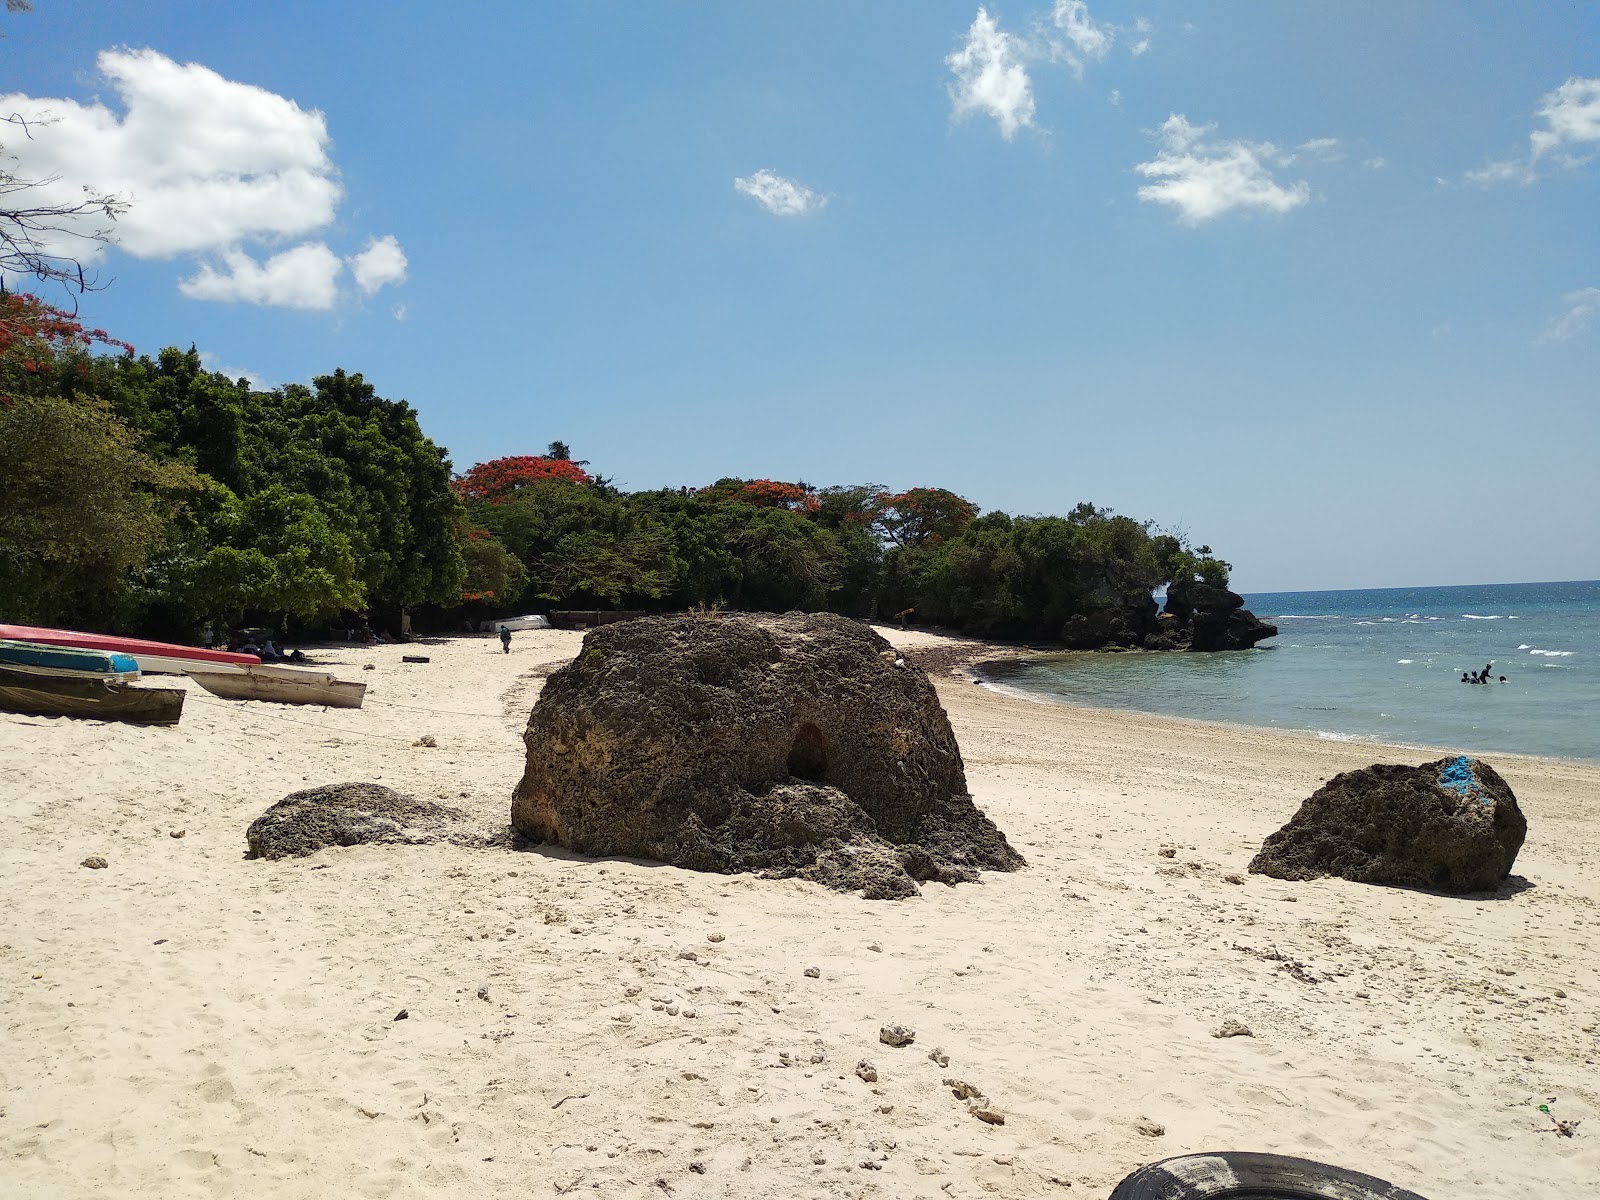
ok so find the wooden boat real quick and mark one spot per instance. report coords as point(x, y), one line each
point(70, 693)
point(165, 658)
point(56, 660)
point(281, 685)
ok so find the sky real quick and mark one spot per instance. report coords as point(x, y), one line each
point(1314, 284)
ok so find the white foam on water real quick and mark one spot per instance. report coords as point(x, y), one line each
point(1338, 737)
point(1312, 617)
point(1476, 617)
point(1524, 646)
point(1403, 661)
point(1552, 653)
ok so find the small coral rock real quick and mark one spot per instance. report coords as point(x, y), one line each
point(866, 1072)
point(95, 863)
point(896, 1035)
point(1451, 825)
point(352, 814)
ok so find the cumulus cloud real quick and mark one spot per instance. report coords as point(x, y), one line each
point(779, 196)
point(207, 165)
point(213, 362)
point(1571, 116)
point(1581, 306)
point(992, 76)
point(380, 264)
point(992, 67)
point(306, 277)
point(1202, 179)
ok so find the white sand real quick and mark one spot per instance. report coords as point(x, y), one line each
point(191, 1023)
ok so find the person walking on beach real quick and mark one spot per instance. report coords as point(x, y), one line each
point(505, 639)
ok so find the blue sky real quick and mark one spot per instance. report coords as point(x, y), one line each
point(1317, 284)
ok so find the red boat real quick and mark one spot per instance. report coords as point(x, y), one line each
point(153, 657)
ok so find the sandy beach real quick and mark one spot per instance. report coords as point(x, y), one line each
point(187, 1022)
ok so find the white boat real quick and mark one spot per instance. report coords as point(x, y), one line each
point(281, 685)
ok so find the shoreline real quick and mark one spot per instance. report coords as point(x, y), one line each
point(187, 1022)
point(977, 667)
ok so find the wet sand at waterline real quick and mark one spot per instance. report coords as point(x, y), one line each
point(187, 1022)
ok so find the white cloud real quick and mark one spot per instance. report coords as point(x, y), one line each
point(1581, 306)
point(992, 77)
point(1204, 179)
point(213, 362)
point(1116, 97)
point(1141, 44)
point(1327, 148)
point(1512, 170)
point(306, 277)
point(399, 312)
point(207, 165)
point(1089, 38)
point(380, 264)
point(779, 196)
point(1572, 119)
point(1376, 163)
point(1572, 113)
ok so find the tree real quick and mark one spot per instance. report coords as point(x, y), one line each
point(493, 572)
point(35, 234)
point(500, 479)
point(764, 493)
point(80, 506)
point(924, 515)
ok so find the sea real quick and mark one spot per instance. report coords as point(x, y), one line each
point(1380, 664)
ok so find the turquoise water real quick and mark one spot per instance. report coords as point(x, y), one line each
point(1381, 664)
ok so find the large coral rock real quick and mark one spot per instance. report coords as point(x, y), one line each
point(353, 814)
point(1214, 617)
point(792, 745)
point(1451, 825)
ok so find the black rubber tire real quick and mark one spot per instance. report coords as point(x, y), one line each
point(1239, 1175)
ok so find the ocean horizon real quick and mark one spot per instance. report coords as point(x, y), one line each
point(1375, 664)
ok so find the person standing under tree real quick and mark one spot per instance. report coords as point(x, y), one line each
point(505, 639)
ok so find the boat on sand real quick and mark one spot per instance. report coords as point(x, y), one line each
point(63, 681)
point(39, 659)
point(282, 685)
point(166, 658)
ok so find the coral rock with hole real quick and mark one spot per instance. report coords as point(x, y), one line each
point(790, 745)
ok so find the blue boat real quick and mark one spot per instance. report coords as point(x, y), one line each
point(37, 658)
point(63, 681)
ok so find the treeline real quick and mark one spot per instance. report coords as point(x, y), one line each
point(151, 494)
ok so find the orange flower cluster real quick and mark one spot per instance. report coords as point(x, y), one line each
point(498, 480)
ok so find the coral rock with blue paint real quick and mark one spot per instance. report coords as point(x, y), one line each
point(1450, 826)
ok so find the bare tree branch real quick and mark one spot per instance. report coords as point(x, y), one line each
point(31, 235)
